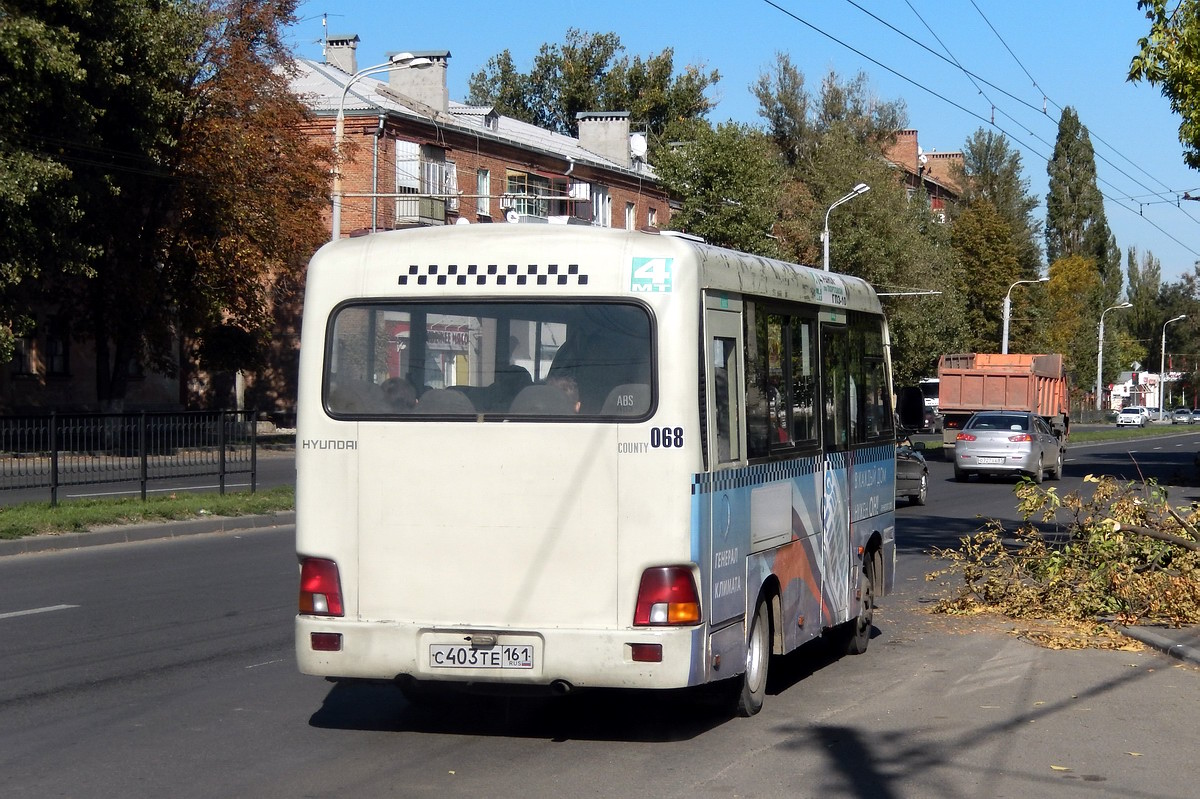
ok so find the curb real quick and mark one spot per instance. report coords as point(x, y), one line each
point(149, 531)
point(1164, 643)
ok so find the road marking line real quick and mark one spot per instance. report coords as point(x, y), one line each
point(264, 663)
point(32, 611)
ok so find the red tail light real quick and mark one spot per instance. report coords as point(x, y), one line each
point(1020, 437)
point(320, 588)
point(667, 596)
point(964, 437)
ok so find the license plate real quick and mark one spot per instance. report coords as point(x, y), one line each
point(990, 461)
point(501, 656)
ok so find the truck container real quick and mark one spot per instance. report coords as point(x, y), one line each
point(978, 381)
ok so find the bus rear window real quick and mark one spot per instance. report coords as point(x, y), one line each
point(490, 361)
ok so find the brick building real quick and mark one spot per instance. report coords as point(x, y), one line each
point(934, 171)
point(411, 156)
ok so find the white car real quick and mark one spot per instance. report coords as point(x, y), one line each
point(1132, 416)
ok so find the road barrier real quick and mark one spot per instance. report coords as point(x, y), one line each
point(70, 449)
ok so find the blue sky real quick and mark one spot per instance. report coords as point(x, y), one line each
point(1052, 53)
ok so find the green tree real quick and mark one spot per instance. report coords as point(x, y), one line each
point(589, 73)
point(1075, 219)
point(983, 242)
point(1145, 318)
point(829, 143)
point(1075, 324)
point(40, 80)
point(798, 122)
point(728, 181)
point(1168, 57)
point(190, 184)
point(992, 171)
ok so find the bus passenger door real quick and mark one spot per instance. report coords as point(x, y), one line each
point(835, 447)
point(727, 511)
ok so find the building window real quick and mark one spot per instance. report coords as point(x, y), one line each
point(630, 216)
point(450, 185)
point(581, 194)
point(560, 199)
point(408, 178)
point(23, 354)
point(58, 363)
point(483, 188)
point(601, 207)
point(652, 217)
point(527, 194)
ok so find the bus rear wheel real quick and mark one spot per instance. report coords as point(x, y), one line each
point(753, 683)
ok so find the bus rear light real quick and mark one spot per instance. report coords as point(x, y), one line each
point(320, 588)
point(964, 437)
point(667, 596)
point(646, 653)
point(326, 642)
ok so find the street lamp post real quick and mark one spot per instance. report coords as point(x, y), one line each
point(1008, 309)
point(397, 61)
point(1162, 364)
point(861, 188)
point(1100, 356)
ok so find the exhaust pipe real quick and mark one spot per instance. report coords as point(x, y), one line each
point(561, 687)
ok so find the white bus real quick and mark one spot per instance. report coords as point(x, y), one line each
point(563, 457)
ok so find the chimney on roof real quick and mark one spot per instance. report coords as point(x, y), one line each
point(340, 52)
point(606, 133)
point(426, 85)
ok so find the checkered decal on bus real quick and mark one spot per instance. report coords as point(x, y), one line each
point(763, 473)
point(493, 275)
point(758, 474)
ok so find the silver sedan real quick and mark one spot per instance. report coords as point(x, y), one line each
point(1007, 442)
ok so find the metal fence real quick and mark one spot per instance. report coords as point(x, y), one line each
point(57, 450)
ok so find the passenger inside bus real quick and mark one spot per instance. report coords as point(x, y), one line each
point(607, 348)
point(557, 396)
point(399, 394)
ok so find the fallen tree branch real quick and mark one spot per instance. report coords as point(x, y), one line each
point(1158, 535)
point(1191, 530)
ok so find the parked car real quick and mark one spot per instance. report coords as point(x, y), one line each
point(912, 473)
point(1182, 416)
point(1132, 416)
point(1153, 414)
point(1007, 442)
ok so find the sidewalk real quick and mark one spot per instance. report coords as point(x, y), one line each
point(1182, 643)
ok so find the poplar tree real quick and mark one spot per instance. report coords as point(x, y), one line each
point(1075, 219)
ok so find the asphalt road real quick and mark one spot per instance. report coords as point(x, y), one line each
point(166, 669)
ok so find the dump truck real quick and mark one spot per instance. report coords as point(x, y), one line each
point(979, 381)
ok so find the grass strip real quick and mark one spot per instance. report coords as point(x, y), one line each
point(39, 518)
